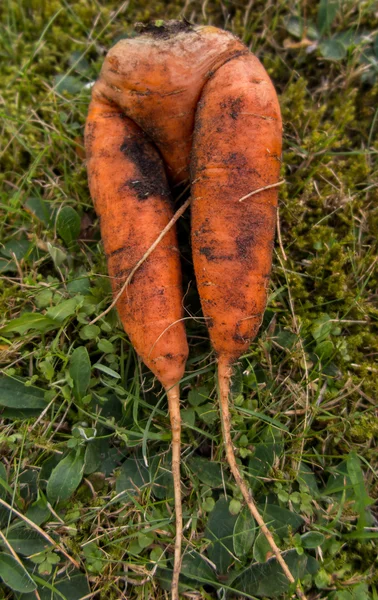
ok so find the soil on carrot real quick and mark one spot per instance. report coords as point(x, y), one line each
point(84, 430)
point(164, 29)
point(149, 166)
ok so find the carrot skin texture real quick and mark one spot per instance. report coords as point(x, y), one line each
point(132, 198)
point(162, 99)
point(236, 149)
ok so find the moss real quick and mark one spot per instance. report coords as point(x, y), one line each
point(363, 428)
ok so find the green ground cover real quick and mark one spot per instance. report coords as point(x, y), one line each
point(86, 497)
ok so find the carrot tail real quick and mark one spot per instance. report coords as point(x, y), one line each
point(173, 395)
point(224, 377)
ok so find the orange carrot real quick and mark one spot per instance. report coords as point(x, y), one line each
point(235, 170)
point(132, 199)
point(197, 96)
point(236, 150)
point(147, 94)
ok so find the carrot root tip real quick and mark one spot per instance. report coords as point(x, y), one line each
point(224, 380)
point(173, 395)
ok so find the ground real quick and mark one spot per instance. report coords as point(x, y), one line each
point(86, 493)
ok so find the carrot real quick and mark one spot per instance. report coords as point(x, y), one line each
point(195, 100)
point(132, 199)
point(148, 92)
point(235, 171)
point(236, 150)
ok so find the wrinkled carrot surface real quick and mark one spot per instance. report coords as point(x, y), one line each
point(184, 101)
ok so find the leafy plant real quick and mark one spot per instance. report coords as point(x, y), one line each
point(317, 36)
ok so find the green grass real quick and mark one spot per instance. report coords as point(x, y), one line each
point(84, 430)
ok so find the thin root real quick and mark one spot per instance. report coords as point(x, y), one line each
point(224, 377)
point(173, 395)
point(279, 235)
point(266, 187)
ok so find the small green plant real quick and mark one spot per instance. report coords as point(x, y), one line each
point(316, 35)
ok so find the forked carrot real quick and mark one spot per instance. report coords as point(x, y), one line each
point(182, 100)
